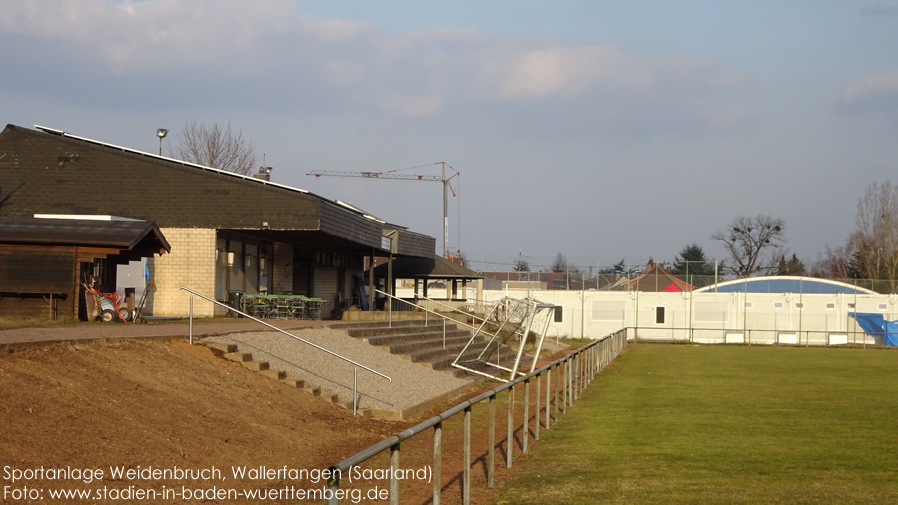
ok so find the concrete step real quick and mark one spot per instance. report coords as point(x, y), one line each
point(239, 357)
point(401, 346)
point(274, 374)
point(221, 347)
point(399, 330)
point(386, 324)
point(294, 383)
point(256, 366)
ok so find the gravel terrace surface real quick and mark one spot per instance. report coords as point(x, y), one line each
point(411, 383)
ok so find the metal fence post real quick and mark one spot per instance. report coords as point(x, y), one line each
point(526, 427)
point(394, 466)
point(539, 377)
point(437, 462)
point(355, 390)
point(566, 386)
point(510, 443)
point(333, 485)
point(466, 474)
point(490, 470)
point(549, 399)
point(444, 333)
point(559, 371)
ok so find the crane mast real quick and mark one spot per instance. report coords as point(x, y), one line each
point(392, 174)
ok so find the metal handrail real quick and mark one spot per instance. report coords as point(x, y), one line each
point(578, 368)
point(288, 334)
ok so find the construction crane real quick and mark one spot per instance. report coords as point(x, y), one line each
point(393, 174)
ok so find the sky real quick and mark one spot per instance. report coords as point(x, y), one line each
point(601, 130)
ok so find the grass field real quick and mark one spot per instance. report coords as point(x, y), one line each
point(668, 424)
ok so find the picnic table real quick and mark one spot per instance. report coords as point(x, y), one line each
point(265, 306)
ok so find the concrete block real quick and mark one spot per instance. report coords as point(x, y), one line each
point(240, 357)
point(295, 383)
point(256, 366)
point(274, 374)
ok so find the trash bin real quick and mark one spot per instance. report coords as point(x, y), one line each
point(234, 302)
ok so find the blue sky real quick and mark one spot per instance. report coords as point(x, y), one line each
point(602, 130)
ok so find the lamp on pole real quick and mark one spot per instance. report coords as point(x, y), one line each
point(161, 133)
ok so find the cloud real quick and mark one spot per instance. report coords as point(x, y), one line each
point(871, 94)
point(271, 54)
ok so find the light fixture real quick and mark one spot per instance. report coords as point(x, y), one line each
point(161, 133)
point(262, 264)
point(248, 261)
point(287, 270)
point(230, 259)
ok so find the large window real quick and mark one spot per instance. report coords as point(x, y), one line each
point(659, 314)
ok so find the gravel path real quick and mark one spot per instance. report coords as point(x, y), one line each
point(411, 383)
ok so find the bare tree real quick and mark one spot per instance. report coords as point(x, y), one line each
point(560, 264)
point(877, 222)
point(834, 263)
point(215, 146)
point(752, 243)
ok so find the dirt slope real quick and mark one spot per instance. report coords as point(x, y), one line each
point(153, 403)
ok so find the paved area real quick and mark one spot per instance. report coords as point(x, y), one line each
point(158, 329)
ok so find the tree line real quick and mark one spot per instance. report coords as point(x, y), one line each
point(756, 245)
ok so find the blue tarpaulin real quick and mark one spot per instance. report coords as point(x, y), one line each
point(875, 324)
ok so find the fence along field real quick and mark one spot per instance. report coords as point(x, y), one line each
point(724, 424)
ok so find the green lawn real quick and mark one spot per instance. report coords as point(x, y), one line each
point(724, 424)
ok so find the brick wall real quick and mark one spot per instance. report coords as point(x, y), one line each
point(191, 263)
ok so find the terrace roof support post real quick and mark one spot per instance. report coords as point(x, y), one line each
point(390, 288)
point(539, 377)
point(509, 443)
point(437, 462)
point(371, 281)
point(394, 467)
point(466, 474)
point(491, 450)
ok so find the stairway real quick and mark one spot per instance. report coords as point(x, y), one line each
point(422, 342)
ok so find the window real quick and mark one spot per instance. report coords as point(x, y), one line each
point(830, 306)
point(748, 305)
point(778, 305)
point(659, 314)
point(851, 306)
point(799, 305)
point(883, 307)
point(559, 314)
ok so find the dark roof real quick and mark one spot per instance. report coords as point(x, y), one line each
point(127, 235)
point(435, 267)
point(53, 172)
